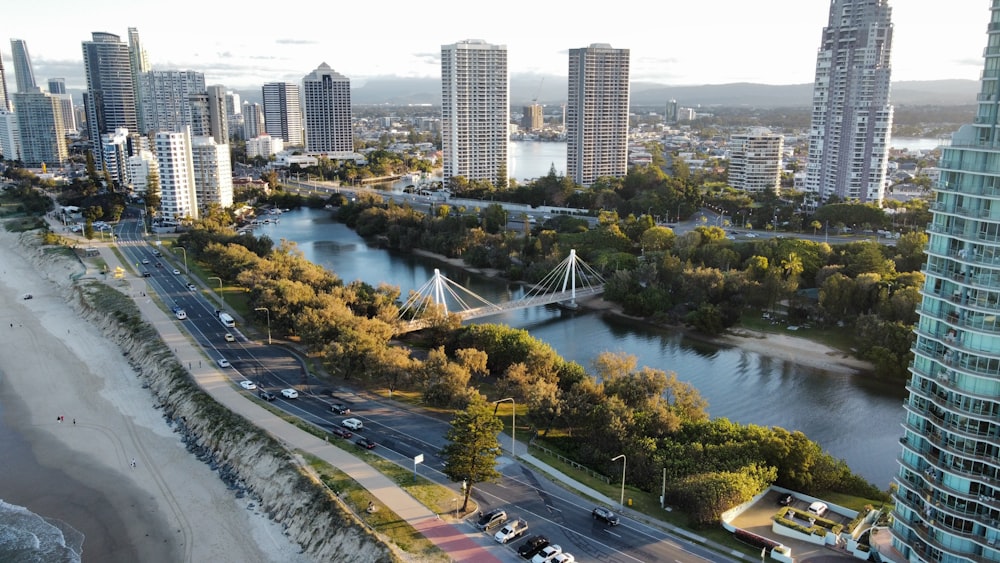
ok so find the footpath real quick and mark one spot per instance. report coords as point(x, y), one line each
point(447, 536)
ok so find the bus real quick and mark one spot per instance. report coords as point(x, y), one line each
point(226, 320)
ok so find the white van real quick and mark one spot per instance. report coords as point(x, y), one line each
point(352, 423)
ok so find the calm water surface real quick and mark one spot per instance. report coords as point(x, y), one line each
point(851, 418)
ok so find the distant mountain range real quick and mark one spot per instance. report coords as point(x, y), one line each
point(551, 90)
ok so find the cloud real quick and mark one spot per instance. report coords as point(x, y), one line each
point(296, 42)
point(428, 58)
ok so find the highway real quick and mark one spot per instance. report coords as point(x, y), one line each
point(401, 432)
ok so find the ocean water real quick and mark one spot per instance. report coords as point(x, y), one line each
point(26, 537)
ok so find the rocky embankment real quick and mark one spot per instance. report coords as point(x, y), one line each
point(250, 462)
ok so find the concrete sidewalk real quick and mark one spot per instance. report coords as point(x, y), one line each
point(448, 537)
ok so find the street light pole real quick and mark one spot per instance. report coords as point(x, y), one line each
point(513, 423)
point(624, 461)
point(268, 311)
point(184, 250)
point(222, 299)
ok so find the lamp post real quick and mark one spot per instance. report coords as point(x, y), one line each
point(222, 299)
point(184, 250)
point(513, 422)
point(268, 311)
point(624, 461)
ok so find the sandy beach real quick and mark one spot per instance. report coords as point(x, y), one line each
point(79, 470)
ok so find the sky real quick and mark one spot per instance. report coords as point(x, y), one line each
point(673, 43)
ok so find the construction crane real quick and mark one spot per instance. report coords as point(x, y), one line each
point(538, 92)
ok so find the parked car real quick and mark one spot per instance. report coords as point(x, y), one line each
point(492, 519)
point(511, 531)
point(605, 515)
point(365, 443)
point(532, 545)
point(266, 395)
point(352, 423)
point(248, 385)
point(563, 557)
point(340, 409)
point(547, 553)
point(818, 508)
point(223, 363)
point(290, 393)
point(785, 499)
point(342, 432)
point(28, 296)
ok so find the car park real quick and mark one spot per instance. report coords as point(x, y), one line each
point(532, 546)
point(605, 515)
point(229, 337)
point(290, 393)
point(352, 423)
point(223, 363)
point(339, 408)
point(342, 432)
point(512, 530)
point(365, 443)
point(248, 385)
point(266, 395)
point(818, 508)
point(546, 554)
point(492, 519)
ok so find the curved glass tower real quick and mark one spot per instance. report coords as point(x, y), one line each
point(948, 495)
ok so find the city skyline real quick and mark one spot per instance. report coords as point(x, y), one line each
point(683, 45)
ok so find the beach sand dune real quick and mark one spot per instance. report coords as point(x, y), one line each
point(169, 507)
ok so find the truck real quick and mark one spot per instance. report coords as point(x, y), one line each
point(511, 531)
point(225, 319)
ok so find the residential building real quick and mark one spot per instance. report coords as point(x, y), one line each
point(24, 75)
point(57, 87)
point(40, 128)
point(117, 149)
point(283, 112)
point(264, 145)
point(10, 137)
point(327, 95)
point(671, 115)
point(167, 98)
point(139, 64)
point(110, 97)
point(597, 113)
point(947, 491)
point(253, 120)
point(532, 118)
point(213, 173)
point(755, 160)
point(178, 198)
point(475, 111)
point(851, 114)
point(234, 114)
point(208, 114)
point(141, 166)
point(5, 103)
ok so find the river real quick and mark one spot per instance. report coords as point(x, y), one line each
point(852, 418)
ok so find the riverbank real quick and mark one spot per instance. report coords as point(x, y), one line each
point(78, 469)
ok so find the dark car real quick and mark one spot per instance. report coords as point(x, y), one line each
point(146, 274)
point(785, 499)
point(266, 395)
point(532, 545)
point(605, 515)
point(340, 409)
point(342, 432)
point(365, 443)
point(492, 519)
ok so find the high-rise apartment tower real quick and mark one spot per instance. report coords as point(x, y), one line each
point(283, 112)
point(475, 111)
point(851, 114)
point(328, 111)
point(23, 73)
point(597, 113)
point(110, 96)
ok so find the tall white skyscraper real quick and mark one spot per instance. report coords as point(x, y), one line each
point(213, 173)
point(178, 198)
point(110, 96)
point(166, 95)
point(283, 112)
point(5, 103)
point(475, 110)
point(23, 73)
point(597, 113)
point(139, 64)
point(253, 120)
point(947, 490)
point(755, 160)
point(851, 114)
point(328, 111)
point(10, 136)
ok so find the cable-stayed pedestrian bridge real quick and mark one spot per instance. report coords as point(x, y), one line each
point(572, 279)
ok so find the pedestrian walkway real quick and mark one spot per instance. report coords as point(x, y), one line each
point(446, 536)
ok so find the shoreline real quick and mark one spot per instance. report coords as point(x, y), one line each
point(793, 349)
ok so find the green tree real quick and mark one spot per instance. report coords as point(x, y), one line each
point(473, 448)
point(153, 192)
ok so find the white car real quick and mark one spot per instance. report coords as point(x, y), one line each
point(177, 272)
point(290, 393)
point(563, 557)
point(248, 385)
point(229, 337)
point(546, 554)
point(223, 363)
point(352, 423)
point(818, 508)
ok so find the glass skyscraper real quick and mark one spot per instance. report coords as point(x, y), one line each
point(948, 485)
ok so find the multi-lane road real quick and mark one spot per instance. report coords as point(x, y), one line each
point(400, 432)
